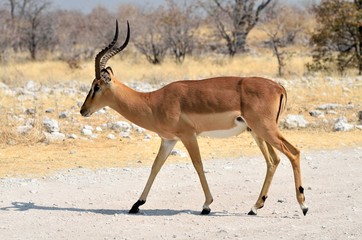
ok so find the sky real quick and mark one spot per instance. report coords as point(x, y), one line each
point(86, 6)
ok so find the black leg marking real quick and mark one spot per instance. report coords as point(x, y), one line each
point(135, 207)
point(264, 198)
point(252, 213)
point(301, 189)
point(305, 210)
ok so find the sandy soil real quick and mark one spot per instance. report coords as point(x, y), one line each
point(38, 160)
point(81, 203)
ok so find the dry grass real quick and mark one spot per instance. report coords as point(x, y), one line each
point(136, 68)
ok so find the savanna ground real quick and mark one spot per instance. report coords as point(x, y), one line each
point(82, 188)
point(305, 93)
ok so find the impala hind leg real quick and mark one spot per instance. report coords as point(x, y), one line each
point(272, 161)
point(276, 139)
point(193, 149)
point(164, 151)
point(294, 156)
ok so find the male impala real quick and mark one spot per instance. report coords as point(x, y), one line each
point(183, 110)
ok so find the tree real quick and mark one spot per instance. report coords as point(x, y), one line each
point(151, 40)
point(6, 34)
point(36, 26)
point(234, 19)
point(179, 23)
point(70, 27)
point(282, 26)
point(277, 43)
point(14, 22)
point(338, 37)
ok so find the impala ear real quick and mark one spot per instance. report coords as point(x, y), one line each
point(109, 69)
point(105, 75)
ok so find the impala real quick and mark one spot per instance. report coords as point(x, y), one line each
point(184, 110)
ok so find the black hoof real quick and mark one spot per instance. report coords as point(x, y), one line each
point(252, 213)
point(305, 210)
point(135, 208)
point(205, 211)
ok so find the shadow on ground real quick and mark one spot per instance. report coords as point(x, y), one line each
point(27, 206)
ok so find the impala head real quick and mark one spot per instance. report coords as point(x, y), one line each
point(101, 86)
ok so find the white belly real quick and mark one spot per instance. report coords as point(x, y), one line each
point(239, 128)
point(217, 125)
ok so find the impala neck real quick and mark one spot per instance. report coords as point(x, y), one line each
point(131, 104)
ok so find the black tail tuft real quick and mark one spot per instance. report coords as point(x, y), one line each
point(280, 107)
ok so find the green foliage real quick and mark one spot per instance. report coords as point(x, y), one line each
point(337, 40)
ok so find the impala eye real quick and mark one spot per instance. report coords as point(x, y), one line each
point(96, 88)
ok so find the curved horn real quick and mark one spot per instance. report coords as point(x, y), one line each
point(104, 51)
point(115, 50)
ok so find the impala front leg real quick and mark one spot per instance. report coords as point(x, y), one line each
point(164, 151)
point(193, 149)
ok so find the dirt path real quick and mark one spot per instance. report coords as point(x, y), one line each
point(87, 204)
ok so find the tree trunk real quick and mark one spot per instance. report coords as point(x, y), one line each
point(359, 50)
point(240, 39)
point(279, 58)
point(32, 46)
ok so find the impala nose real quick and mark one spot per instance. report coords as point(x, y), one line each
point(84, 112)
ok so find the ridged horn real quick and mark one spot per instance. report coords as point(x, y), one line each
point(104, 51)
point(114, 51)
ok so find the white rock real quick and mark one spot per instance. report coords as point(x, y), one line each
point(329, 106)
point(111, 136)
point(88, 127)
point(54, 136)
point(99, 129)
point(342, 125)
point(332, 112)
point(3, 86)
point(24, 129)
point(87, 132)
point(125, 134)
point(72, 136)
point(31, 86)
point(30, 122)
point(316, 113)
point(6, 90)
point(295, 121)
point(51, 125)
point(63, 115)
point(30, 111)
point(177, 152)
point(49, 110)
point(121, 126)
point(350, 106)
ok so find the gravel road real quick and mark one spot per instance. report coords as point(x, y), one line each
point(86, 204)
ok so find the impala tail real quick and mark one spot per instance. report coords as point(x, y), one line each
point(282, 103)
